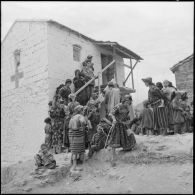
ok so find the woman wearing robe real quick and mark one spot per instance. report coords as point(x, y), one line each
point(77, 136)
point(69, 110)
point(155, 97)
point(121, 123)
point(169, 90)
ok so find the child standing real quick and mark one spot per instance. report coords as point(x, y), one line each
point(146, 119)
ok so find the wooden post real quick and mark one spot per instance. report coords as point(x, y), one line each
point(99, 83)
point(115, 68)
point(131, 73)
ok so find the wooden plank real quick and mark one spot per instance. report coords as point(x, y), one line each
point(115, 71)
point(86, 84)
point(131, 73)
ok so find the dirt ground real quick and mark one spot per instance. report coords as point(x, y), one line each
point(159, 164)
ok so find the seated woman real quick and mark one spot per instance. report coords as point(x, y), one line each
point(44, 159)
point(98, 141)
point(121, 123)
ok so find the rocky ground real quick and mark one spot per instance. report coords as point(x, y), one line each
point(159, 164)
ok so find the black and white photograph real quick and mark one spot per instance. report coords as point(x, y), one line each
point(97, 97)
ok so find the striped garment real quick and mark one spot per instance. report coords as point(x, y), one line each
point(77, 134)
point(160, 118)
point(77, 141)
point(170, 114)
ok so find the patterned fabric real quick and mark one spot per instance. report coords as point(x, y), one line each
point(57, 128)
point(160, 118)
point(170, 114)
point(119, 136)
point(77, 134)
point(99, 140)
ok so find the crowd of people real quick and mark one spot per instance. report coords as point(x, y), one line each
point(96, 119)
point(166, 111)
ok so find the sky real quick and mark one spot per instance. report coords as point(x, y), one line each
point(160, 32)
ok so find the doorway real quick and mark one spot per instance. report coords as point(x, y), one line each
point(108, 74)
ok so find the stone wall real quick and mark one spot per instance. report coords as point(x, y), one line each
point(24, 108)
point(184, 78)
point(60, 52)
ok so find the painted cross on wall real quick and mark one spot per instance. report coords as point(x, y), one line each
point(18, 75)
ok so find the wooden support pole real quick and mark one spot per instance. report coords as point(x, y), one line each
point(99, 83)
point(86, 84)
point(131, 73)
point(115, 68)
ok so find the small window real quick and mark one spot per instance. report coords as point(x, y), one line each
point(76, 53)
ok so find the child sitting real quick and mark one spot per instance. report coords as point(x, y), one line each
point(98, 141)
point(48, 132)
point(44, 159)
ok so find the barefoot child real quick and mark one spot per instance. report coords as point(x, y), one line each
point(146, 119)
point(44, 159)
point(98, 141)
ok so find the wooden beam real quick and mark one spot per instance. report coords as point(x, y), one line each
point(114, 58)
point(86, 84)
point(99, 83)
point(130, 72)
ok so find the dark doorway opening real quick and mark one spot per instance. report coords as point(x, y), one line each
point(108, 74)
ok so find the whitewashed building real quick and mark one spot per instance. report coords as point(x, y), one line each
point(36, 57)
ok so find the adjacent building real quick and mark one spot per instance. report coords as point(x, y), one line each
point(183, 71)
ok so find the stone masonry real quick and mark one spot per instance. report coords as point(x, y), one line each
point(184, 75)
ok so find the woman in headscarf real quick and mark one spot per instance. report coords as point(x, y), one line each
point(120, 137)
point(169, 91)
point(155, 97)
point(77, 136)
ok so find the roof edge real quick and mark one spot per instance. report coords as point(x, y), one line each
point(181, 62)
